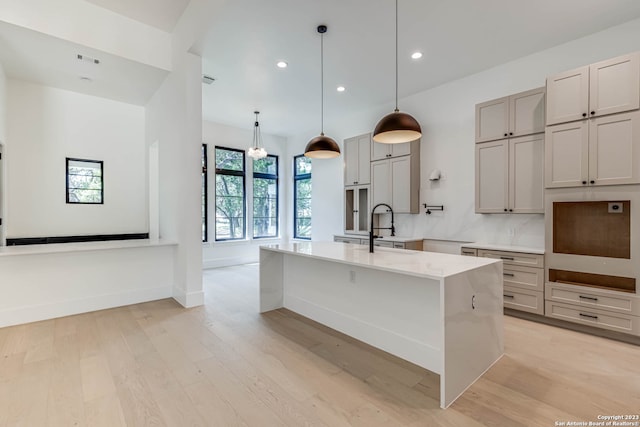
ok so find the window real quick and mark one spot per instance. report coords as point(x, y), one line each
point(205, 231)
point(265, 197)
point(230, 194)
point(302, 197)
point(84, 181)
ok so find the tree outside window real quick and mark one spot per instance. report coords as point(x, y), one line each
point(230, 194)
point(84, 181)
point(302, 197)
point(265, 197)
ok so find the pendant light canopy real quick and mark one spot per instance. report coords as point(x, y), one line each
point(257, 151)
point(322, 147)
point(397, 127)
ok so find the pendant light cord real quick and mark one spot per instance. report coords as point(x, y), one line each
point(321, 84)
point(396, 56)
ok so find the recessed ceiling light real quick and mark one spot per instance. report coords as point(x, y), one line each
point(340, 89)
point(416, 55)
point(282, 64)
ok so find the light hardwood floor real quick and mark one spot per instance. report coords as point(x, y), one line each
point(223, 364)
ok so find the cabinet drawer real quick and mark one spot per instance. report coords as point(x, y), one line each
point(523, 300)
point(469, 251)
point(593, 317)
point(524, 277)
point(352, 240)
point(383, 244)
point(514, 258)
point(398, 245)
point(593, 298)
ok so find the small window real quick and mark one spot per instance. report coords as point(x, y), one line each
point(265, 197)
point(84, 181)
point(230, 194)
point(302, 197)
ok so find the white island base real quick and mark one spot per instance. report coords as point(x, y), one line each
point(442, 312)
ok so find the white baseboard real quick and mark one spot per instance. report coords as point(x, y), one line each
point(188, 300)
point(35, 313)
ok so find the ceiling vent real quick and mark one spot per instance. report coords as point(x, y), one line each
point(86, 58)
point(207, 79)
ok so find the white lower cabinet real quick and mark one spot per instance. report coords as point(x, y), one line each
point(601, 308)
point(523, 278)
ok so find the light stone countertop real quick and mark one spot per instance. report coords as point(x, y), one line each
point(507, 248)
point(429, 265)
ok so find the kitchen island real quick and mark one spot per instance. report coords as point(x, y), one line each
point(442, 312)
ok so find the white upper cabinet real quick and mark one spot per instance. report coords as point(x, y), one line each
point(509, 175)
point(511, 116)
point(600, 151)
point(606, 87)
point(381, 151)
point(357, 156)
point(396, 180)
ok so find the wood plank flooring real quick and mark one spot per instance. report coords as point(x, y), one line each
point(223, 364)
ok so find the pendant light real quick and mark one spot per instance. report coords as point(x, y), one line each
point(397, 127)
point(257, 151)
point(322, 147)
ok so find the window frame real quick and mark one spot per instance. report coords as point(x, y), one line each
point(205, 196)
point(230, 172)
point(298, 177)
point(276, 177)
point(74, 159)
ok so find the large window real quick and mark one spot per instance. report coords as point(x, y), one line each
point(302, 197)
point(265, 197)
point(230, 194)
point(205, 195)
point(84, 181)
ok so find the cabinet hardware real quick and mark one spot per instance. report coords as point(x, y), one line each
point(584, 114)
point(507, 258)
point(505, 134)
point(510, 210)
point(508, 274)
point(593, 112)
point(355, 211)
point(505, 209)
point(508, 296)
point(589, 298)
point(589, 316)
point(510, 133)
point(584, 182)
point(592, 182)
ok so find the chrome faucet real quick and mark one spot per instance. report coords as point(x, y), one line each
point(392, 228)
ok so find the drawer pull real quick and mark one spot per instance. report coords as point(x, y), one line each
point(508, 274)
point(589, 298)
point(508, 296)
point(507, 258)
point(589, 316)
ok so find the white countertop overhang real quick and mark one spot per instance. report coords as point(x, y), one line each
point(429, 265)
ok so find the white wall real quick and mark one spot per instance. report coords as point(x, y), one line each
point(3, 126)
point(3, 104)
point(446, 114)
point(44, 126)
point(217, 254)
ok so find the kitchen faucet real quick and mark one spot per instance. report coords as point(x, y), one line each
point(392, 228)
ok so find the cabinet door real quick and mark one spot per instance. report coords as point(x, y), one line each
point(380, 151)
point(380, 182)
point(614, 149)
point(492, 163)
point(526, 112)
point(364, 159)
point(362, 211)
point(351, 161)
point(350, 210)
point(614, 85)
point(526, 174)
point(401, 184)
point(566, 154)
point(398, 150)
point(568, 96)
point(492, 120)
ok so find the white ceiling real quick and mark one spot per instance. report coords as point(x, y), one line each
point(247, 37)
point(458, 38)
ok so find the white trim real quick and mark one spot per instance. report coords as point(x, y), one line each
point(188, 300)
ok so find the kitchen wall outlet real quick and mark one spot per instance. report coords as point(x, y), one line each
point(615, 207)
point(352, 276)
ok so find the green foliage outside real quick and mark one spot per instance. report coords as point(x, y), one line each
point(85, 182)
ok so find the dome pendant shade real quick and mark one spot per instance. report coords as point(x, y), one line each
point(396, 128)
point(322, 147)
